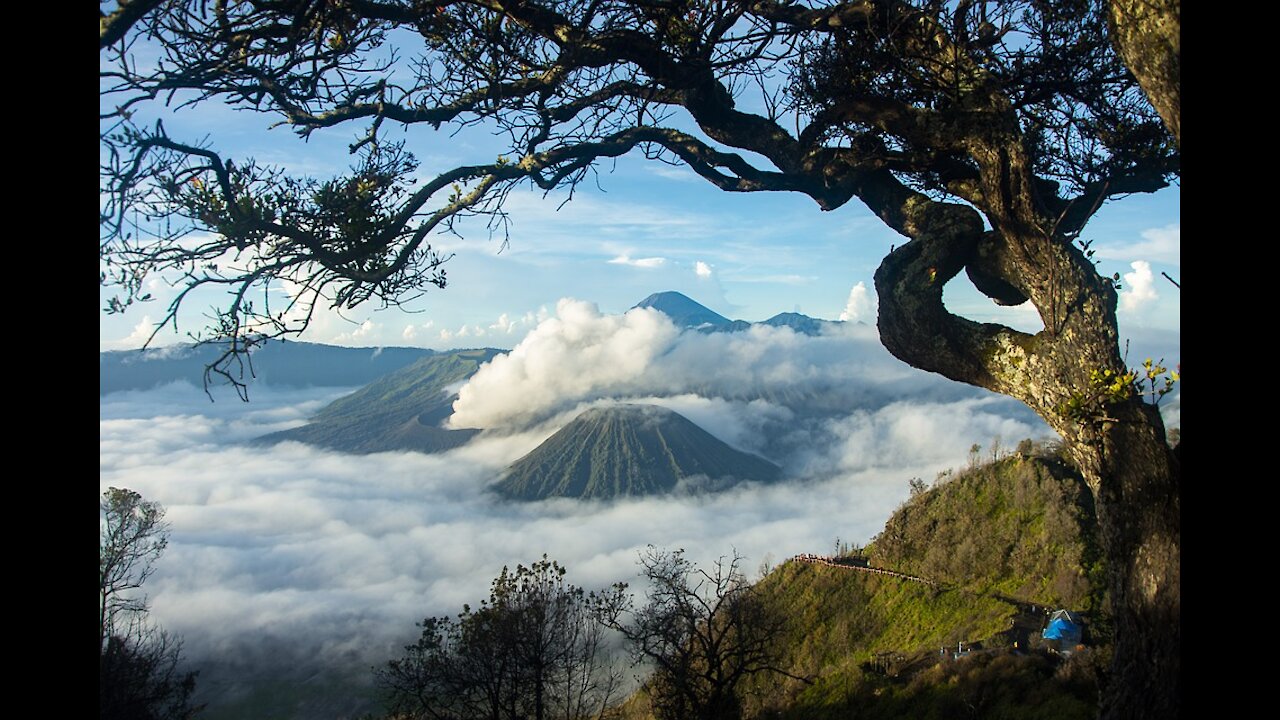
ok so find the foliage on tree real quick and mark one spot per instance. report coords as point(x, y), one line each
point(534, 649)
point(133, 536)
point(703, 634)
point(140, 675)
point(986, 132)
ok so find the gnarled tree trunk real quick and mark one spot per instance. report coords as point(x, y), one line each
point(1147, 33)
point(1116, 439)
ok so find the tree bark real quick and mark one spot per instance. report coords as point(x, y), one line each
point(1136, 492)
point(1147, 34)
point(1117, 440)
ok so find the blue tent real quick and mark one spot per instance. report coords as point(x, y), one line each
point(1064, 627)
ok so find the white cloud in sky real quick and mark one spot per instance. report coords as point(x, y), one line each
point(791, 279)
point(1138, 289)
point(1162, 245)
point(136, 339)
point(648, 263)
point(860, 306)
point(366, 328)
point(702, 269)
point(411, 331)
point(504, 324)
point(678, 172)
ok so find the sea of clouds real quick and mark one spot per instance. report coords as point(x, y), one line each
point(297, 554)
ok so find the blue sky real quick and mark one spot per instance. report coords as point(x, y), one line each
point(643, 227)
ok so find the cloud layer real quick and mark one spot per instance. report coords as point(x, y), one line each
point(297, 556)
point(860, 306)
point(344, 553)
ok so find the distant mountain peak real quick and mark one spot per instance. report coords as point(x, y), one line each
point(683, 310)
point(686, 312)
point(800, 323)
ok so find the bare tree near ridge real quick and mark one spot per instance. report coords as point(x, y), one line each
point(987, 133)
point(133, 535)
point(139, 671)
point(703, 633)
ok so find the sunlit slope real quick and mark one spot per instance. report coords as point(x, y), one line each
point(1020, 529)
point(400, 411)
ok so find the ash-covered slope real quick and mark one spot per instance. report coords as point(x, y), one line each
point(628, 450)
point(400, 411)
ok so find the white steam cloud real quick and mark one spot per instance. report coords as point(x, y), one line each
point(564, 359)
point(581, 356)
point(860, 306)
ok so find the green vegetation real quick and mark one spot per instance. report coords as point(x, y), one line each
point(535, 649)
point(140, 673)
point(1022, 527)
point(856, 644)
point(993, 686)
point(705, 632)
point(627, 450)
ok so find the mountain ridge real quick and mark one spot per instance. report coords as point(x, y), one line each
point(403, 410)
point(688, 313)
point(278, 363)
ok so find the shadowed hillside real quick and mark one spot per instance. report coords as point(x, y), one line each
point(277, 363)
point(403, 410)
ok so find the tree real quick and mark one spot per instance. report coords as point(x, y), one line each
point(703, 632)
point(133, 536)
point(1148, 35)
point(986, 132)
point(534, 649)
point(139, 670)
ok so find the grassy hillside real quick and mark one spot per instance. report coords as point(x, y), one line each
point(1021, 527)
point(996, 538)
